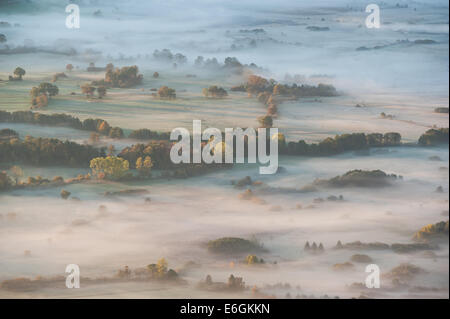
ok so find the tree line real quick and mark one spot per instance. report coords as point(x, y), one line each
point(94, 125)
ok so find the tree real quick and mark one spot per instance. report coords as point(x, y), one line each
point(156, 75)
point(101, 91)
point(103, 127)
point(111, 167)
point(144, 166)
point(256, 84)
point(19, 73)
point(2, 38)
point(69, 67)
point(17, 173)
point(122, 78)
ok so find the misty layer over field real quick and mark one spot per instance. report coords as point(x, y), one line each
point(400, 70)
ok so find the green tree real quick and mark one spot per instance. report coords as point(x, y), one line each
point(19, 73)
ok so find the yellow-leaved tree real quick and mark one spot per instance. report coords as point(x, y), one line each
point(144, 166)
point(111, 167)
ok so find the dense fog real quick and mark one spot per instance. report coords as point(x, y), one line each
point(390, 70)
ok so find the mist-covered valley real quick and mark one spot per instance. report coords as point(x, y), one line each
point(340, 199)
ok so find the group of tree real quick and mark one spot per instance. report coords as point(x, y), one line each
point(41, 94)
point(89, 90)
point(267, 91)
point(144, 166)
point(18, 74)
point(93, 68)
point(230, 65)
point(339, 144)
point(110, 167)
point(6, 134)
point(47, 151)
point(165, 92)
point(124, 77)
point(434, 137)
point(158, 271)
point(214, 92)
point(95, 125)
point(165, 55)
point(159, 153)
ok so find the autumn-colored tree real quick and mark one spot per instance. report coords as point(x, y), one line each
point(103, 127)
point(162, 267)
point(165, 92)
point(144, 167)
point(256, 84)
point(69, 67)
